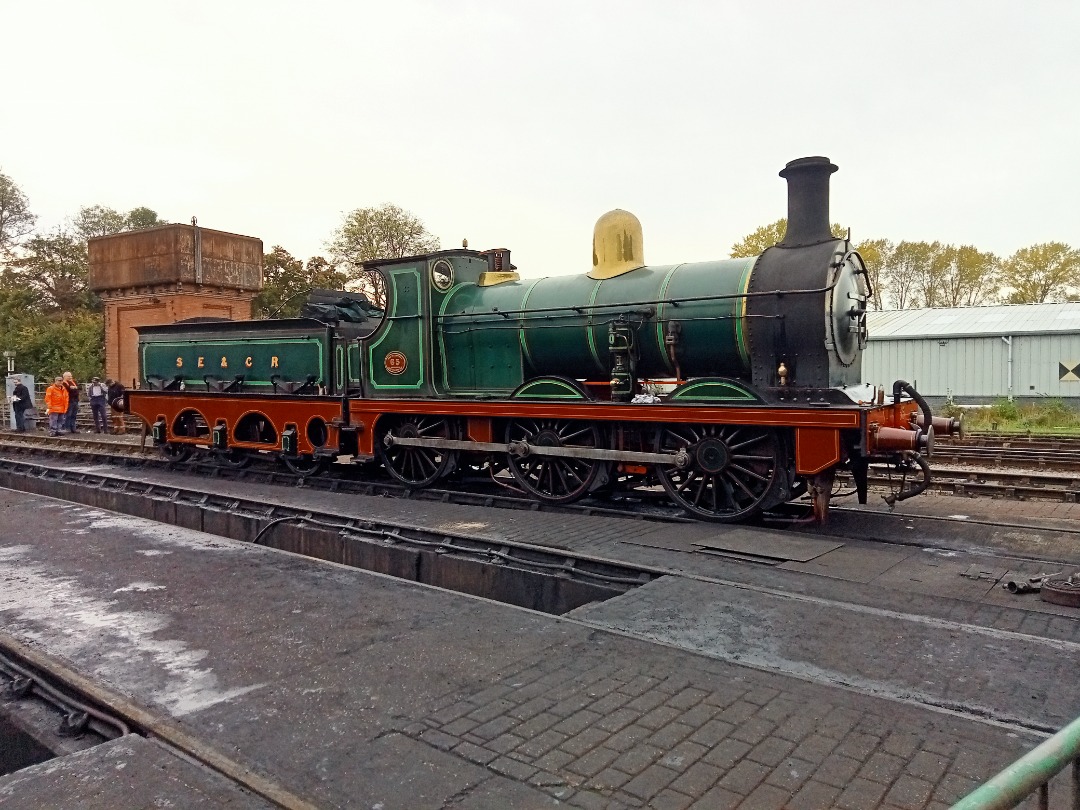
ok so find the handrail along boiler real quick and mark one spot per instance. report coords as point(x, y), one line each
point(735, 385)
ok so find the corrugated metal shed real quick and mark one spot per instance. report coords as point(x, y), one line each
point(1013, 319)
point(978, 354)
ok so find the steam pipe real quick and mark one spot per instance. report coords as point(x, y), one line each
point(902, 386)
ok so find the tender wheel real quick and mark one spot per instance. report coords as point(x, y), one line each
point(176, 452)
point(415, 466)
point(304, 465)
point(731, 471)
point(556, 479)
point(234, 459)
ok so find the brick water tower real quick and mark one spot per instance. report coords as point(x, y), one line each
point(167, 274)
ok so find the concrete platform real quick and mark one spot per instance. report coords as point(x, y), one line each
point(128, 772)
point(356, 690)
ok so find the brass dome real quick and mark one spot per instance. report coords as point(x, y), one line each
point(617, 245)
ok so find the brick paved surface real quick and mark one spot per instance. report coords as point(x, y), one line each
point(609, 723)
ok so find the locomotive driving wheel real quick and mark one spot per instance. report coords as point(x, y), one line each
point(415, 466)
point(556, 479)
point(731, 472)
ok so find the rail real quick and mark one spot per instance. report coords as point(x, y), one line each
point(1030, 774)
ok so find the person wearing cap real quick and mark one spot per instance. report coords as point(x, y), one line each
point(21, 402)
point(72, 386)
point(56, 406)
point(97, 394)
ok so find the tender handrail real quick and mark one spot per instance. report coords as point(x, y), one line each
point(1031, 773)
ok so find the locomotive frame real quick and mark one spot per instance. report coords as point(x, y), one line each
point(472, 368)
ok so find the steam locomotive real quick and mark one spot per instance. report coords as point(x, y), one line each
point(733, 385)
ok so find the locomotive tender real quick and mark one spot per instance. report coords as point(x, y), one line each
point(734, 384)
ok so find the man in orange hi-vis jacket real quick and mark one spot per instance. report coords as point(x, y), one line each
point(56, 405)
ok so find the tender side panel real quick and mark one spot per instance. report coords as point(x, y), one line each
point(259, 361)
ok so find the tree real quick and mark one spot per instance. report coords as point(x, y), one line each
point(56, 267)
point(1041, 273)
point(971, 277)
point(63, 341)
point(768, 235)
point(876, 254)
point(386, 232)
point(142, 217)
point(287, 279)
point(100, 220)
point(907, 271)
point(16, 221)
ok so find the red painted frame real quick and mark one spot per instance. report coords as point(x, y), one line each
point(817, 430)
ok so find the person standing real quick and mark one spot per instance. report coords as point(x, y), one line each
point(72, 386)
point(56, 406)
point(115, 394)
point(21, 402)
point(96, 393)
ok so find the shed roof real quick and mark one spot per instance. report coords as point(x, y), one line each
point(1011, 319)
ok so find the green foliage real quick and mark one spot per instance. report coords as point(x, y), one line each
point(1040, 273)
point(56, 268)
point(1004, 410)
point(1045, 416)
point(100, 220)
point(142, 217)
point(908, 274)
point(386, 232)
point(16, 221)
point(96, 220)
point(286, 280)
point(47, 346)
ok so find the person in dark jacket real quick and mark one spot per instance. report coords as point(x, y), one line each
point(72, 387)
point(115, 392)
point(21, 402)
point(97, 392)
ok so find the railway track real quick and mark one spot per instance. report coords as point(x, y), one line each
point(92, 709)
point(969, 476)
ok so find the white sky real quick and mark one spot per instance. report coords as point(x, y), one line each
point(518, 124)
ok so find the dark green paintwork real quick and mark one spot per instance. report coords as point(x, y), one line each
point(297, 357)
point(547, 388)
point(713, 391)
point(551, 338)
point(402, 331)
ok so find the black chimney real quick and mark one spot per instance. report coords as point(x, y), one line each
point(808, 201)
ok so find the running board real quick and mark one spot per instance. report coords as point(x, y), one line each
point(680, 460)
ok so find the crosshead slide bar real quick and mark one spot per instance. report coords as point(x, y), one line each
point(680, 459)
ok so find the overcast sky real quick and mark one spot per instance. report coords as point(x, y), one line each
point(517, 124)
